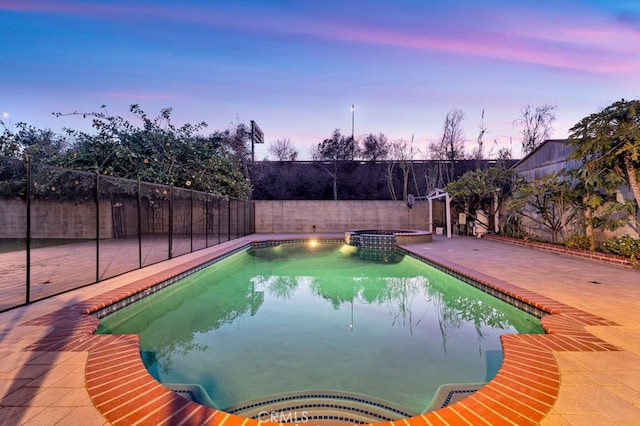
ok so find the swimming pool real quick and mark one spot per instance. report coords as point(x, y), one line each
point(295, 318)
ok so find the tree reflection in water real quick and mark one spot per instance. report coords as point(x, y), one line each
point(280, 302)
point(402, 295)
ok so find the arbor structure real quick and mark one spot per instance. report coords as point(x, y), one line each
point(608, 145)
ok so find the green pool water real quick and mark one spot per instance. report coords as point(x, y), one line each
point(295, 318)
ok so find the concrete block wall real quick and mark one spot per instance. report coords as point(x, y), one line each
point(69, 220)
point(51, 219)
point(338, 216)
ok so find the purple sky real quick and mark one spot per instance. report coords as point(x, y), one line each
point(297, 66)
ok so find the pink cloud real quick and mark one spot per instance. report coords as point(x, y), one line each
point(586, 44)
point(583, 48)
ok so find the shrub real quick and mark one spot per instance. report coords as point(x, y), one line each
point(512, 227)
point(624, 246)
point(578, 241)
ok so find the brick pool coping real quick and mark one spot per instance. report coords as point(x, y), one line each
point(523, 391)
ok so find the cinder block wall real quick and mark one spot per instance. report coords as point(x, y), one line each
point(338, 216)
point(54, 219)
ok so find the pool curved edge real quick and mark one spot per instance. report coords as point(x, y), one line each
point(122, 390)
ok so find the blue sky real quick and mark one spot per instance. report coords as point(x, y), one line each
point(297, 66)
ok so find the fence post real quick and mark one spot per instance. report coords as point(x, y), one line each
point(139, 224)
point(170, 222)
point(191, 220)
point(27, 163)
point(219, 222)
point(206, 221)
point(97, 189)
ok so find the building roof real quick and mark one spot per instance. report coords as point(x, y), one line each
point(551, 151)
point(550, 156)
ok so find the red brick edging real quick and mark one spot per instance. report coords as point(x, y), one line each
point(523, 391)
point(584, 254)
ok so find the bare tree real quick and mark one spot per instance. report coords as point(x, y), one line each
point(501, 153)
point(402, 154)
point(536, 125)
point(283, 150)
point(478, 153)
point(504, 154)
point(450, 148)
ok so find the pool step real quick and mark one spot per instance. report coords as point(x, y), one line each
point(320, 407)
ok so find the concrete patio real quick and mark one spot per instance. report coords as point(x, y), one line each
point(49, 387)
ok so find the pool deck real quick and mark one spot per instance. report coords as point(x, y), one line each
point(585, 372)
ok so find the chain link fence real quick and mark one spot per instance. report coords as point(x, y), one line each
point(62, 229)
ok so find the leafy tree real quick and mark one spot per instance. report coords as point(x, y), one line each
point(233, 144)
point(159, 152)
point(596, 200)
point(483, 190)
point(335, 149)
point(608, 145)
point(9, 146)
point(548, 201)
point(42, 146)
point(536, 125)
point(375, 147)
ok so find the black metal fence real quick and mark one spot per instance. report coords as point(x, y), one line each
point(62, 229)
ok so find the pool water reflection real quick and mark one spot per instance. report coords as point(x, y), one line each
point(296, 318)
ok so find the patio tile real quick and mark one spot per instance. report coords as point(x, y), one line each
point(627, 393)
point(8, 386)
point(605, 361)
point(49, 416)
point(89, 416)
point(26, 371)
point(554, 419)
point(629, 378)
point(75, 397)
point(20, 397)
point(54, 375)
point(11, 416)
point(566, 363)
point(596, 387)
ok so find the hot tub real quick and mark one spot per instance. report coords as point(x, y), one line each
point(385, 239)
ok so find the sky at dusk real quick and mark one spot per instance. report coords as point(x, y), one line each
point(297, 66)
